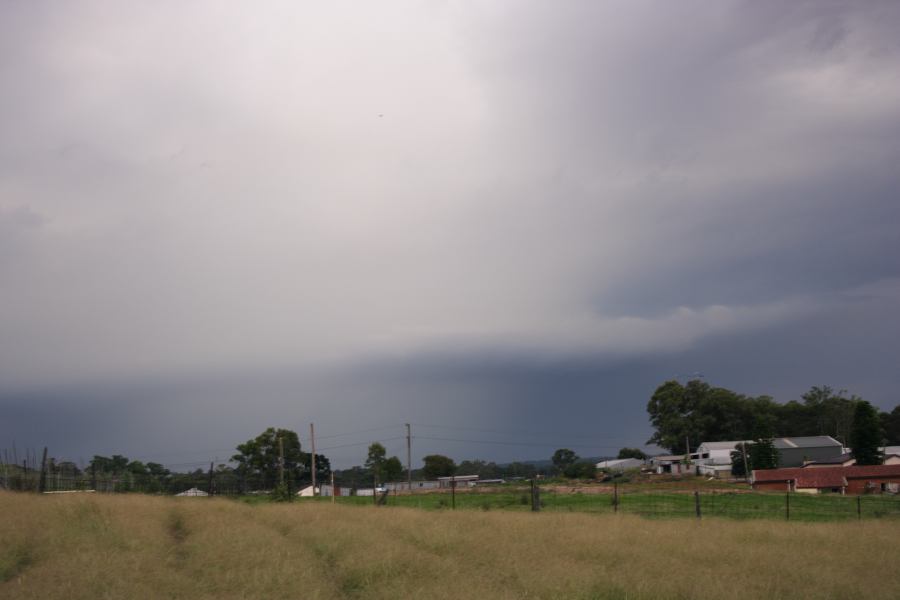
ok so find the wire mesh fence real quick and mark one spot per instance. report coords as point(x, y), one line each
point(516, 497)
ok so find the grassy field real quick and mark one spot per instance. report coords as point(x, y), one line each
point(131, 546)
point(735, 505)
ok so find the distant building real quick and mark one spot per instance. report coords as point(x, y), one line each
point(673, 464)
point(843, 460)
point(714, 458)
point(843, 480)
point(193, 492)
point(457, 480)
point(795, 451)
point(620, 464)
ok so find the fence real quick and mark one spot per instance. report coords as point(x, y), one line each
point(655, 504)
point(618, 499)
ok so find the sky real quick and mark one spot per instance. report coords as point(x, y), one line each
point(505, 223)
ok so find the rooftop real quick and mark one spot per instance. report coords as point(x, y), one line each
point(814, 441)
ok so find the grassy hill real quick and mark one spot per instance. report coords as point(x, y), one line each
point(131, 546)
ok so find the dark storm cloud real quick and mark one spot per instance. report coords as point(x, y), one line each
point(516, 214)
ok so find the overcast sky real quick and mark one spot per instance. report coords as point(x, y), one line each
point(499, 221)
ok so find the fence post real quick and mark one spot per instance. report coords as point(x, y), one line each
point(787, 506)
point(616, 497)
point(535, 497)
point(42, 481)
point(453, 493)
point(697, 502)
point(23, 485)
point(859, 507)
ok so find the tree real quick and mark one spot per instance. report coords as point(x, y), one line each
point(258, 459)
point(323, 467)
point(392, 469)
point(890, 424)
point(737, 461)
point(762, 454)
point(865, 436)
point(563, 458)
point(437, 465)
point(375, 460)
point(580, 470)
point(632, 453)
point(485, 470)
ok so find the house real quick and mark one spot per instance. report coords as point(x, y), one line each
point(854, 479)
point(673, 464)
point(193, 492)
point(891, 455)
point(714, 458)
point(795, 451)
point(620, 464)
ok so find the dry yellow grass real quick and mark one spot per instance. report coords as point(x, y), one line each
point(148, 547)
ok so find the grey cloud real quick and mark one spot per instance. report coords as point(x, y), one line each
point(298, 187)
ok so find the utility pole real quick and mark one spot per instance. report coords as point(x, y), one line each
point(209, 489)
point(746, 468)
point(408, 459)
point(280, 460)
point(312, 437)
point(333, 489)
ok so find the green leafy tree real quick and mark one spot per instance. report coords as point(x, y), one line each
point(375, 460)
point(580, 470)
point(323, 467)
point(762, 454)
point(563, 458)
point(632, 453)
point(890, 425)
point(737, 460)
point(485, 470)
point(437, 465)
point(865, 437)
point(258, 459)
point(518, 469)
point(392, 469)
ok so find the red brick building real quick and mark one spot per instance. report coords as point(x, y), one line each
point(843, 480)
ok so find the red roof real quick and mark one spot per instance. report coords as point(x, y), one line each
point(825, 476)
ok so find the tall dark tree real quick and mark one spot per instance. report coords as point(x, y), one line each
point(258, 459)
point(865, 437)
point(563, 459)
point(762, 454)
point(890, 425)
point(392, 469)
point(437, 465)
point(375, 460)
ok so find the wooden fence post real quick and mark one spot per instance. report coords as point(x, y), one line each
point(42, 482)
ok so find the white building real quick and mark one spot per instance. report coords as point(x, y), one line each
point(714, 458)
point(193, 492)
point(620, 464)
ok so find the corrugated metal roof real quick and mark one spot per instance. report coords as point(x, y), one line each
point(814, 441)
point(723, 445)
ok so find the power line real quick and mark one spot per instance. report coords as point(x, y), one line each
point(517, 432)
point(531, 444)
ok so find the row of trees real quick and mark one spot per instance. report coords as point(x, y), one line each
point(684, 416)
point(697, 412)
